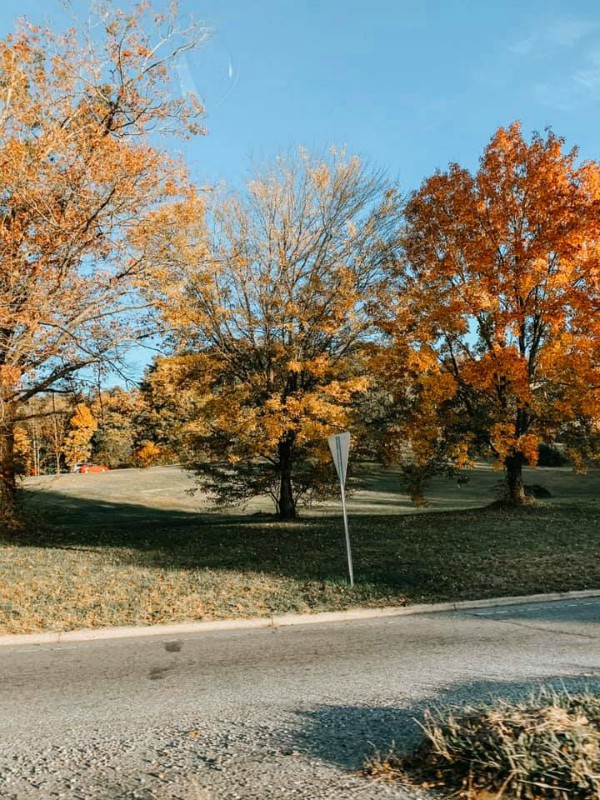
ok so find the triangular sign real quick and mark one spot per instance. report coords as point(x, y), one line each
point(340, 448)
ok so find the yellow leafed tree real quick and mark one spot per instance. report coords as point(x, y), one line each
point(271, 308)
point(78, 442)
point(81, 173)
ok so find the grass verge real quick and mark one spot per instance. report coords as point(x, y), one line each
point(92, 564)
point(545, 747)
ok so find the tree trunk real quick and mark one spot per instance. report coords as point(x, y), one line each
point(8, 481)
point(57, 441)
point(35, 447)
point(286, 505)
point(514, 479)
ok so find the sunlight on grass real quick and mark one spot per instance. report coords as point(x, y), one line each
point(53, 589)
point(145, 566)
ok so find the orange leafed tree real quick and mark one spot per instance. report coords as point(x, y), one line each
point(81, 173)
point(271, 307)
point(502, 277)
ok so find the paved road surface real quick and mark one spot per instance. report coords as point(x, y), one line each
point(286, 713)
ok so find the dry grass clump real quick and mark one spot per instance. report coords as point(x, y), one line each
point(546, 747)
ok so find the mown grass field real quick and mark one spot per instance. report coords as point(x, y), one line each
point(130, 548)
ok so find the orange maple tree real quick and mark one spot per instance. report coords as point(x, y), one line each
point(81, 171)
point(502, 278)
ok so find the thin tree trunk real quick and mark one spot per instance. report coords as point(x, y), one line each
point(56, 436)
point(514, 479)
point(8, 481)
point(35, 447)
point(286, 504)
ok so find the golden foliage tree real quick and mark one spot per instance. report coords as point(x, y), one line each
point(78, 442)
point(80, 175)
point(23, 455)
point(55, 428)
point(117, 413)
point(411, 419)
point(270, 309)
point(150, 454)
point(502, 278)
point(44, 419)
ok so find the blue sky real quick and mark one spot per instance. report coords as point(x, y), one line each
point(409, 86)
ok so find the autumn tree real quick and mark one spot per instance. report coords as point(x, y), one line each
point(502, 277)
point(43, 420)
point(55, 427)
point(270, 310)
point(117, 413)
point(78, 442)
point(163, 413)
point(81, 174)
point(23, 453)
point(33, 429)
point(410, 418)
point(150, 454)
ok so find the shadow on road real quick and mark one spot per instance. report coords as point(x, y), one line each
point(345, 735)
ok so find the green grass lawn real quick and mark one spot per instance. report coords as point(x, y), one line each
point(90, 559)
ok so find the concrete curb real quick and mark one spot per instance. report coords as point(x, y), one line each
point(186, 628)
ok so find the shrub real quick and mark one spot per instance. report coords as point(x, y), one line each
point(546, 747)
point(537, 491)
point(551, 456)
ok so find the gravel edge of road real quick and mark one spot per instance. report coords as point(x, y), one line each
point(278, 621)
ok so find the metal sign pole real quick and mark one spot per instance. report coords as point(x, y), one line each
point(347, 532)
point(340, 458)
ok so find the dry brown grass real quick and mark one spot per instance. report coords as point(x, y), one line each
point(547, 747)
point(99, 561)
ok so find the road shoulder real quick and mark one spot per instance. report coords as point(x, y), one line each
point(285, 620)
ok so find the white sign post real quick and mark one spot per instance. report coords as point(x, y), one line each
point(340, 448)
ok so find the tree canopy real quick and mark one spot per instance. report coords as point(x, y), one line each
point(270, 309)
point(501, 271)
point(81, 174)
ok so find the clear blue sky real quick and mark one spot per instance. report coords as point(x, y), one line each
point(408, 85)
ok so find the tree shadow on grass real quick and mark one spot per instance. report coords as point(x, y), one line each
point(345, 735)
point(310, 548)
point(456, 555)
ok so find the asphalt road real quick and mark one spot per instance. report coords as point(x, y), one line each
point(265, 713)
